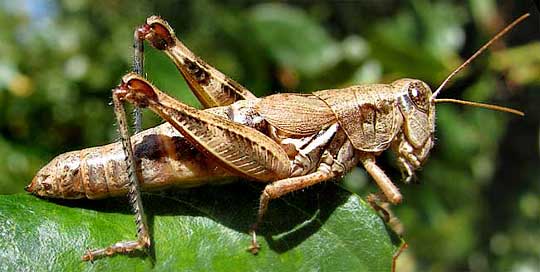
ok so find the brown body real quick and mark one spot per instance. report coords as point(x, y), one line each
point(371, 120)
point(290, 141)
point(166, 159)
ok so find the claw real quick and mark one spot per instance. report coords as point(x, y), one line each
point(88, 256)
point(254, 247)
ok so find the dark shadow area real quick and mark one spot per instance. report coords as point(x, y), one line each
point(292, 218)
point(517, 171)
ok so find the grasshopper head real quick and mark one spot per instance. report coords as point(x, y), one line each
point(412, 147)
point(417, 109)
point(417, 105)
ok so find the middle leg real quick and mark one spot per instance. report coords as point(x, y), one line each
point(280, 188)
point(338, 158)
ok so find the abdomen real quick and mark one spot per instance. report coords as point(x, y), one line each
point(166, 159)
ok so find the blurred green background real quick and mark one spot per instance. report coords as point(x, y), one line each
point(477, 204)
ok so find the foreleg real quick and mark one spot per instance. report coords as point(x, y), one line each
point(390, 191)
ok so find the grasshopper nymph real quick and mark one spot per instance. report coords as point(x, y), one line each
point(288, 141)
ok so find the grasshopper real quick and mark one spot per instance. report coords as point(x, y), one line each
point(289, 141)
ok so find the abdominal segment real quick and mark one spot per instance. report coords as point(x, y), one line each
point(165, 159)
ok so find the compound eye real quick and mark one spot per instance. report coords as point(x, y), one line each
point(418, 95)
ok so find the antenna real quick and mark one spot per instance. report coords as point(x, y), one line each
point(478, 52)
point(479, 105)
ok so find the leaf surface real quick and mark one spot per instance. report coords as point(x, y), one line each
point(203, 229)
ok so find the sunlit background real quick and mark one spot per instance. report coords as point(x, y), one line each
point(477, 204)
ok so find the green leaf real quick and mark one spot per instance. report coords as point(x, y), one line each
point(419, 43)
point(202, 229)
point(294, 39)
point(521, 64)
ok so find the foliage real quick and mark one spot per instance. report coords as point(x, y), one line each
point(478, 205)
point(322, 229)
